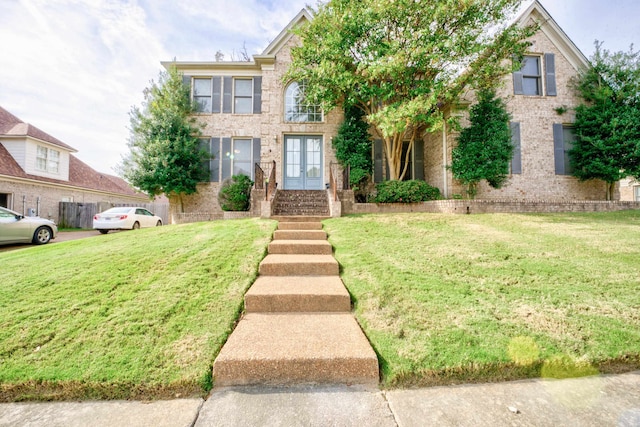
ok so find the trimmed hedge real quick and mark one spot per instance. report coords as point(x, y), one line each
point(406, 192)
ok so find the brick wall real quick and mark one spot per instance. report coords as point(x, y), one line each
point(536, 115)
point(489, 206)
point(50, 195)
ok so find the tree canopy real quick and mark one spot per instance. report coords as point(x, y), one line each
point(402, 62)
point(164, 154)
point(484, 148)
point(607, 125)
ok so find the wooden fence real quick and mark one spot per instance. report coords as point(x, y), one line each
point(80, 215)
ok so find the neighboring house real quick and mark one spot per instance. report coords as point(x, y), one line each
point(252, 117)
point(38, 171)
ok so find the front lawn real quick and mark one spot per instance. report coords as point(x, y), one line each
point(134, 314)
point(447, 299)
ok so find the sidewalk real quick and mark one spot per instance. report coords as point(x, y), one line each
point(612, 400)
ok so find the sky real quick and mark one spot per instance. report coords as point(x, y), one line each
point(74, 68)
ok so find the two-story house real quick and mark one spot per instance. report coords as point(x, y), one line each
point(38, 171)
point(252, 116)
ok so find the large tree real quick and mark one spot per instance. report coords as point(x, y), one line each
point(164, 154)
point(607, 126)
point(484, 148)
point(403, 62)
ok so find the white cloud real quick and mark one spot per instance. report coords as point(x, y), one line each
point(74, 68)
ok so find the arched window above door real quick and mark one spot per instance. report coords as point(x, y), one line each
point(296, 109)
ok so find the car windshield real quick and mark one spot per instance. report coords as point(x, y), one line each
point(118, 210)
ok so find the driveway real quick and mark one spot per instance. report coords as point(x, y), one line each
point(62, 236)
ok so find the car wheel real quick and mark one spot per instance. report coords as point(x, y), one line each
point(42, 235)
point(159, 223)
point(136, 225)
point(103, 231)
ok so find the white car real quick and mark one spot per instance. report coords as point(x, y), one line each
point(17, 228)
point(125, 218)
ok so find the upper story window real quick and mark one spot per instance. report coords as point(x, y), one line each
point(226, 94)
point(202, 94)
point(531, 76)
point(296, 108)
point(242, 96)
point(47, 160)
point(528, 79)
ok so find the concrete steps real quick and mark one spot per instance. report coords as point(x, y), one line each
point(299, 235)
point(300, 247)
point(292, 348)
point(299, 265)
point(300, 225)
point(297, 326)
point(297, 294)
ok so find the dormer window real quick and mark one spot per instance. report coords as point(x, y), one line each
point(296, 108)
point(47, 160)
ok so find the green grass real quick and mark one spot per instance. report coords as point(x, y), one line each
point(126, 315)
point(445, 299)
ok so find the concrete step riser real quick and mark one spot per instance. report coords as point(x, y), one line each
point(300, 247)
point(299, 226)
point(300, 269)
point(299, 218)
point(299, 235)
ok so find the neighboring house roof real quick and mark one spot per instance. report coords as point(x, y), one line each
point(10, 125)
point(81, 175)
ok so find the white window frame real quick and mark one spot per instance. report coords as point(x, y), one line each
point(537, 77)
point(197, 97)
point(47, 160)
point(293, 108)
point(236, 96)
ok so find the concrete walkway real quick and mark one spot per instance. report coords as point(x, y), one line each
point(594, 401)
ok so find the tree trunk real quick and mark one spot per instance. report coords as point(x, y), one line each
point(611, 186)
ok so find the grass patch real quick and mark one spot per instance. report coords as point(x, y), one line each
point(126, 315)
point(452, 298)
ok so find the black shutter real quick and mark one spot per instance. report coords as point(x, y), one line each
point(216, 99)
point(558, 148)
point(550, 73)
point(257, 95)
point(256, 154)
point(418, 159)
point(516, 160)
point(377, 160)
point(226, 158)
point(518, 83)
point(215, 160)
point(226, 94)
point(205, 144)
point(186, 80)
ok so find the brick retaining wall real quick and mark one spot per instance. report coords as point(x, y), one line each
point(490, 206)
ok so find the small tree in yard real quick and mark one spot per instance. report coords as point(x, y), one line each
point(607, 126)
point(164, 155)
point(403, 62)
point(484, 148)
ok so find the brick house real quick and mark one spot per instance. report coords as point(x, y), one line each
point(252, 117)
point(38, 171)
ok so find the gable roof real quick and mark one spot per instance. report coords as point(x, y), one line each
point(552, 30)
point(285, 35)
point(10, 125)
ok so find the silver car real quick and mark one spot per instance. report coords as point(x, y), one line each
point(17, 228)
